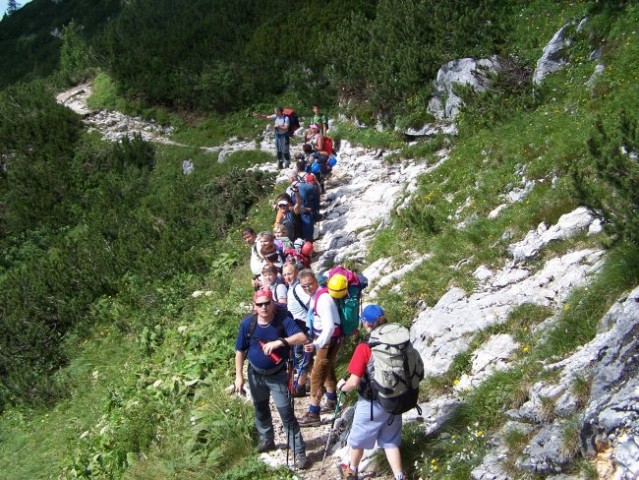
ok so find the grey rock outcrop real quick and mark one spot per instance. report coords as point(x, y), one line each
point(443, 331)
point(445, 103)
point(612, 413)
point(552, 58)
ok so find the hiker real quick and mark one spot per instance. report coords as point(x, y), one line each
point(271, 255)
point(317, 164)
point(272, 281)
point(282, 140)
point(282, 241)
point(323, 324)
point(319, 119)
point(288, 214)
point(371, 422)
point(298, 304)
point(250, 238)
point(314, 138)
point(267, 350)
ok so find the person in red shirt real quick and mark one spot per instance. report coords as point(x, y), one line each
point(371, 423)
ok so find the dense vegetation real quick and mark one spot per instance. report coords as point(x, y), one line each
point(110, 365)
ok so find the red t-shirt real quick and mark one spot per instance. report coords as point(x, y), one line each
point(361, 357)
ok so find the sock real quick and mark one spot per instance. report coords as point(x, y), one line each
point(350, 465)
point(314, 409)
point(399, 476)
point(331, 395)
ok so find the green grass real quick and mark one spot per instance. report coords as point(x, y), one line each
point(149, 430)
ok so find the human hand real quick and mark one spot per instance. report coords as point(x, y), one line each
point(340, 384)
point(239, 386)
point(309, 347)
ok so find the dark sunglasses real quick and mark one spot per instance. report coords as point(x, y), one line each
point(263, 304)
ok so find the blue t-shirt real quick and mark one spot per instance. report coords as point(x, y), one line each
point(266, 334)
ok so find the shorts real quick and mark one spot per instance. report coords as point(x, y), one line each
point(365, 432)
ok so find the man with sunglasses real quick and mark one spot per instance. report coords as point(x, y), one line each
point(265, 339)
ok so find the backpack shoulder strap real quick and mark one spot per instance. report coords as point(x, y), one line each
point(251, 328)
point(316, 298)
point(297, 297)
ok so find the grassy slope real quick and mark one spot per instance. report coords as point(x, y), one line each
point(187, 426)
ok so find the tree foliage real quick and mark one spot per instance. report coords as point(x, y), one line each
point(607, 179)
point(79, 220)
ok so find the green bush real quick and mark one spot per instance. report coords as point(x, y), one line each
point(607, 179)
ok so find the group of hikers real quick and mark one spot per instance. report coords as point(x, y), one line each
point(317, 148)
point(293, 336)
point(300, 320)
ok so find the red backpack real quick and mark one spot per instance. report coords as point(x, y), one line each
point(293, 255)
point(328, 146)
point(293, 121)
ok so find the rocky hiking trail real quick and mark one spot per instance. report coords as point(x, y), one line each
point(362, 193)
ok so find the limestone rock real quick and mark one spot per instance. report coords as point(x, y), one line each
point(552, 59)
point(546, 452)
point(445, 103)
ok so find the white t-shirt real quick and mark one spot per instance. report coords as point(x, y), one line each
point(280, 121)
point(325, 317)
point(297, 310)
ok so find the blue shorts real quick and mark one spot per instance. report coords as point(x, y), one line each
point(365, 432)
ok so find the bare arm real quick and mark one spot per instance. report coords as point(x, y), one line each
point(239, 371)
point(296, 339)
point(348, 385)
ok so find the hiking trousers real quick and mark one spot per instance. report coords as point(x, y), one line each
point(323, 373)
point(262, 386)
point(282, 149)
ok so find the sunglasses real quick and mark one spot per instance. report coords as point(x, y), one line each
point(263, 304)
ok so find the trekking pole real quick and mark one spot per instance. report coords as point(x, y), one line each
point(330, 433)
point(291, 400)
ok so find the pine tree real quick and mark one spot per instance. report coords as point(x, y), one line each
point(12, 6)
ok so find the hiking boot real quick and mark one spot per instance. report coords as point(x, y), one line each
point(310, 419)
point(302, 462)
point(266, 445)
point(346, 472)
point(329, 406)
point(300, 391)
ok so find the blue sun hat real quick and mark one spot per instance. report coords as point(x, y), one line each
point(371, 313)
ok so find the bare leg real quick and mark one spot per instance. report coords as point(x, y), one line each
point(394, 459)
point(356, 456)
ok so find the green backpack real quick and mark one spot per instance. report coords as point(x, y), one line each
point(396, 370)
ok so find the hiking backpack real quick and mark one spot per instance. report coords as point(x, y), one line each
point(396, 370)
point(349, 306)
point(328, 146)
point(293, 121)
point(281, 312)
point(292, 255)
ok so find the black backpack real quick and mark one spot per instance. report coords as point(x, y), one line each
point(281, 312)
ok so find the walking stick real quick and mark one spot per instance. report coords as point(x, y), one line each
point(330, 433)
point(291, 400)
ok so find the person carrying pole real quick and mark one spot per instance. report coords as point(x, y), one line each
point(265, 339)
point(371, 422)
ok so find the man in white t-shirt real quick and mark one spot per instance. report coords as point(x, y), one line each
point(298, 304)
point(323, 323)
point(282, 141)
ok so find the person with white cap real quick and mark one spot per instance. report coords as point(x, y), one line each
point(314, 138)
point(288, 215)
point(371, 423)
